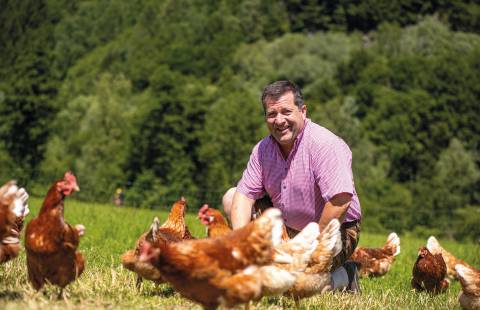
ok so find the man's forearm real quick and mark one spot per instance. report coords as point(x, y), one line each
point(241, 213)
point(335, 208)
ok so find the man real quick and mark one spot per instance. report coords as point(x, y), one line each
point(306, 171)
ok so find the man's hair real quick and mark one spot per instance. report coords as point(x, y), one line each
point(277, 89)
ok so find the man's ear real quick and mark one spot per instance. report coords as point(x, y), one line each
point(303, 109)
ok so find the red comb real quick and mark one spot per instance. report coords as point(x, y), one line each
point(70, 176)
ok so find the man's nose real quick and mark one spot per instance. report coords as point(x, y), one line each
point(279, 119)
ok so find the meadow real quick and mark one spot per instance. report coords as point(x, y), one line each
point(105, 284)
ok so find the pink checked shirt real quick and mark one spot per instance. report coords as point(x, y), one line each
point(318, 167)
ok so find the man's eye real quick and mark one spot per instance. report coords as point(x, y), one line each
point(270, 115)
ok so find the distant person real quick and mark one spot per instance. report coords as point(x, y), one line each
point(119, 197)
point(304, 170)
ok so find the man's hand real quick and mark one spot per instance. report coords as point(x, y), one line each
point(202, 215)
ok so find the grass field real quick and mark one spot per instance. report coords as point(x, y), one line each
point(110, 231)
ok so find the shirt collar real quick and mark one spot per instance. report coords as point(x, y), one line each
point(297, 141)
point(300, 135)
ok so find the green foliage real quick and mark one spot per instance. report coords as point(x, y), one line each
point(96, 147)
point(90, 24)
point(233, 125)
point(162, 97)
point(28, 83)
point(466, 222)
point(310, 61)
point(366, 15)
point(453, 185)
point(167, 137)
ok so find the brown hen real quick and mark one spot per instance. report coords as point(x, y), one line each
point(374, 262)
point(279, 278)
point(51, 243)
point(429, 272)
point(174, 229)
point(435, 248)
point(469, 278)
point(216, 223)
point(13, 209)
point(221, 270)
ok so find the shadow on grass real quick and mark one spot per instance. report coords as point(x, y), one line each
point(161, 291)
point(10, 295)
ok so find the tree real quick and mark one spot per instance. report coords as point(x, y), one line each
point(453, 186)
point(29, 85)
point(233, 124)
point(97, 147)
point(166, 138)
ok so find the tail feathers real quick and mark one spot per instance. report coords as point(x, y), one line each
point(275, 280)
point(7, 191)
point(330, 237)
point(4, 189)
point(393, 244)
point(153, 231)
point(305, 243)
point(16, 198)
point(434, 246)
point(308, 234)
point(469, 278)
point(330, 244)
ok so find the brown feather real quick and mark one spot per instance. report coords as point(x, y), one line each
point(203, 269)
point(51, 243)
point(374, 262)
point(429, 272)
point(174, 229)
point(469, 278)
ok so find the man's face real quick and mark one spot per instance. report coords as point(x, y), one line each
point(285, 120)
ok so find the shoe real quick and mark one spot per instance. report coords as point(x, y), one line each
point(353, 278)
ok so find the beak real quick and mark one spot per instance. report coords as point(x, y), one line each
point(76, 188)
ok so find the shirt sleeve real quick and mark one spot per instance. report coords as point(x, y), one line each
point(251, 183)
point(332, 165)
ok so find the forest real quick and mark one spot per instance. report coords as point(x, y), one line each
point(162, 98)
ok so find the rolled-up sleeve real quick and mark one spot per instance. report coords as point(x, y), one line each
point(251, 184)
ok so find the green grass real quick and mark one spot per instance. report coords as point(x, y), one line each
point(110, 231)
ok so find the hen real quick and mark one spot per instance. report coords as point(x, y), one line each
point(469, 278)
point(222, 270)
point(172, 230)
point(429, 272)
point(218, 226)
point(51, 243)
point(435, 248)
point(13, 209)
point(312, 253)
point(279, 278)
point(215, 222)
point(377, 261)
